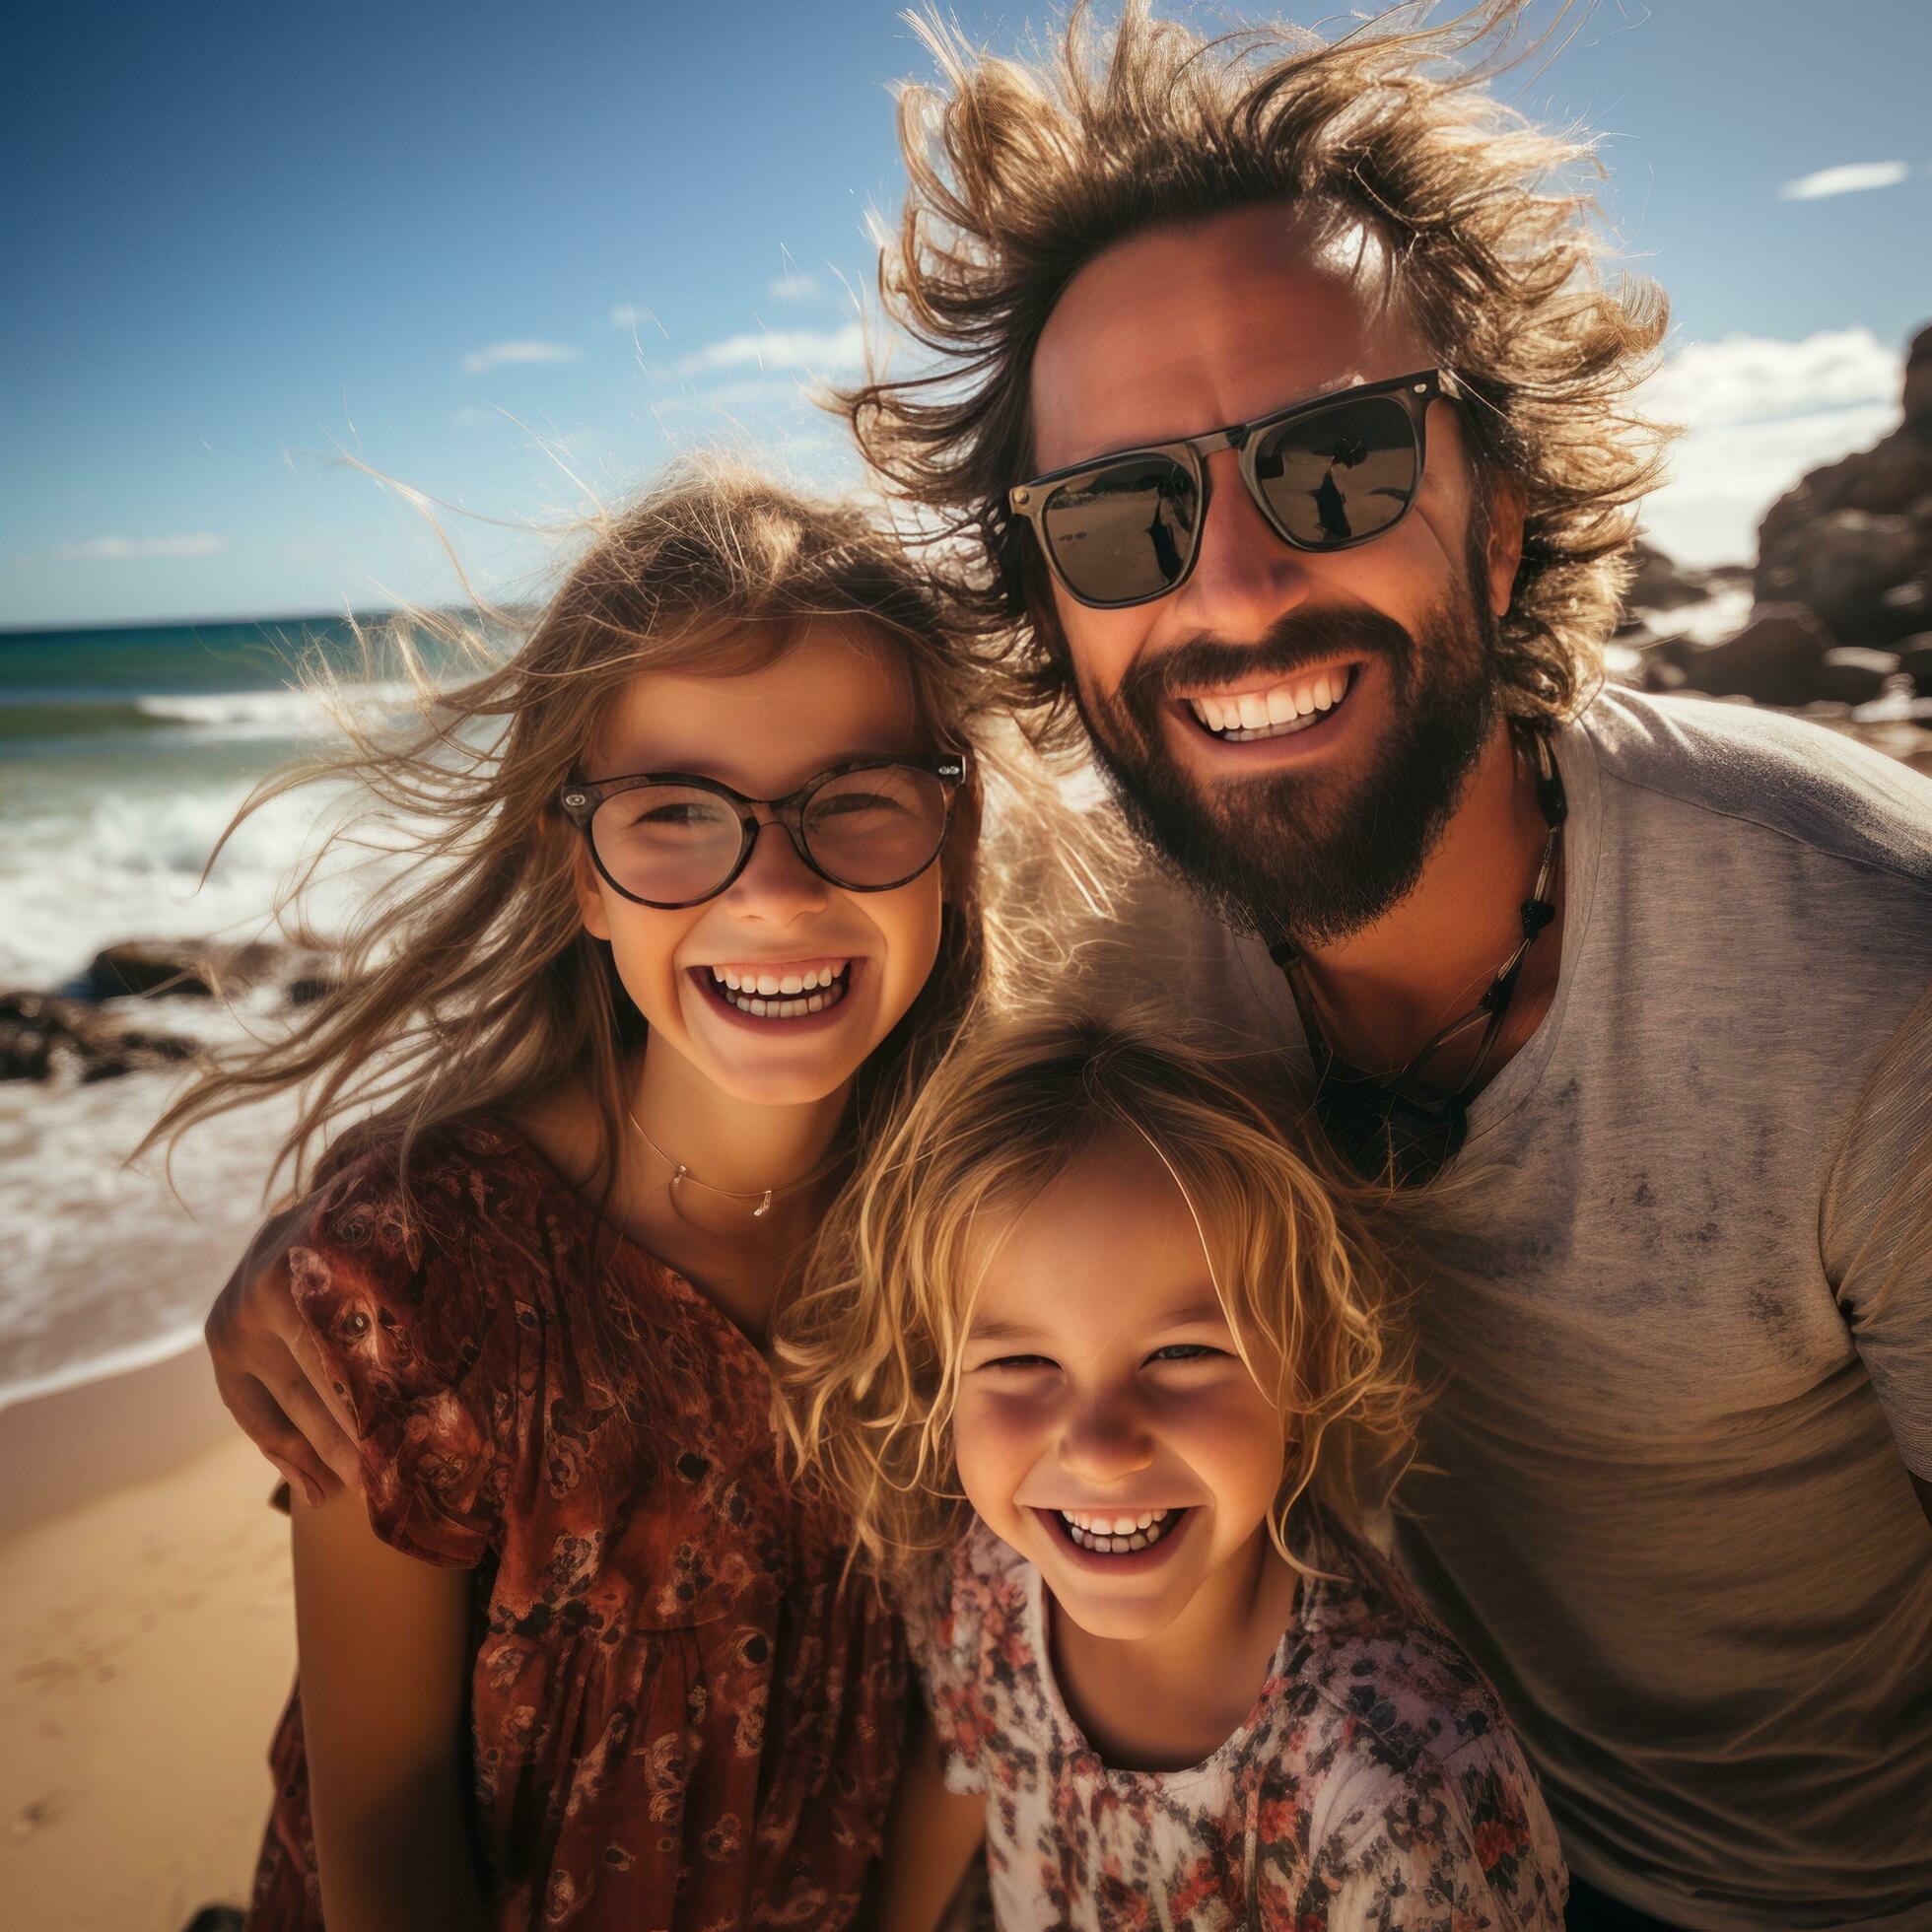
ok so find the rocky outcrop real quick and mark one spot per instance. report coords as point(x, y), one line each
point(105, 1022)
point(190, 969)
point(43, 1036)
point(1853, 541)
point(1842, 618)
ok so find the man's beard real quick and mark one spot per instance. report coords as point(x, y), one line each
point(1302, 857)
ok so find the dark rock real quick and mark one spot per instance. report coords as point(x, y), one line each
point(1658, 583)
point(1854, 675)
point(1918, 384)
point(149, 969)
point(1777, 658)
point(310, 987)
point(1915, 661)
point(1842, 567)
point(152, 969)
point(41, 1036)
point(1854, 539)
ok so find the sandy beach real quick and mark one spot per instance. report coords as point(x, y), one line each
point(147, 1643)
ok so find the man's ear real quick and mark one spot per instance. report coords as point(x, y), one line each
point(590, 901)
point(1504, 516)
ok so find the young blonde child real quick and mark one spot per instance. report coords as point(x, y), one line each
point(1095, 1334)
point(698, 902)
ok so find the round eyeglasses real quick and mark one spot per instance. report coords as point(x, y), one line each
point(670, 839)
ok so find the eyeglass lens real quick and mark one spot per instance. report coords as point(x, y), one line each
point(1333, 476)
point(671, 845)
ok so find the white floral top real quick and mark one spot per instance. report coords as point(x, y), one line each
point(1375, 1784)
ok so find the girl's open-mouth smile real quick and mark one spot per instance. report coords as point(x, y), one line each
point(1111, 1542)
point(790, 994)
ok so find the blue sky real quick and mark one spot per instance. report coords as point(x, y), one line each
point(495, 250)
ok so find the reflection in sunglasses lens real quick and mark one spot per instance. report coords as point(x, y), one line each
point(1338, 475)
point(1125, 531)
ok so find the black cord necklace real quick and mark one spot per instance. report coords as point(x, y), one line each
point(1400, 1128)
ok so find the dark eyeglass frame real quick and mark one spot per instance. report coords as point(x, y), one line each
point(579, 799)
point(1031, 500)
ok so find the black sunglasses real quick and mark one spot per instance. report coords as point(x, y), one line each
point(1328, 474)
point(670, 839)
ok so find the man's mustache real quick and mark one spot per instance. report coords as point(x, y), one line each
point(1297, 640)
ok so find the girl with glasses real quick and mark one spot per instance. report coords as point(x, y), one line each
point(694, 902)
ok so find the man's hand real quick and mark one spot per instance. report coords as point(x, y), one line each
point(272, 1376)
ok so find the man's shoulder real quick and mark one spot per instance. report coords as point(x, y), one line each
point(1783, 776)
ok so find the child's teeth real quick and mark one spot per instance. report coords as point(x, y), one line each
point(1116, 1535)
point(782, 995)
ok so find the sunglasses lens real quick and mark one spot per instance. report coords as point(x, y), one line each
point(1122, 532)
point(1335, 476)
point(666, 843)
point(876, 828)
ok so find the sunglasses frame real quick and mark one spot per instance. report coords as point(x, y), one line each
point(1031, 500)
point(579, 799)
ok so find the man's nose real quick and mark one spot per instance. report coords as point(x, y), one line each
point(1104, 1437)
point(1245, 578)
point(777, 884)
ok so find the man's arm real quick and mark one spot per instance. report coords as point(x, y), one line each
point(272, 1376)
point(385, 1662)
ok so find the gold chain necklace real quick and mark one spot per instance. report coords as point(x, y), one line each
point(764, 1196)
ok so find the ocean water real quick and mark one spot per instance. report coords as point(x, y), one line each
point(123, 753)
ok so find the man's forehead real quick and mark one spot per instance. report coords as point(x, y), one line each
point(1183, 330)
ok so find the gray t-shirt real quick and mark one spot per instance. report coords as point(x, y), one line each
point(1678, 1296)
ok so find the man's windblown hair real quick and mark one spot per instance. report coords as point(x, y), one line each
point(1021, 173)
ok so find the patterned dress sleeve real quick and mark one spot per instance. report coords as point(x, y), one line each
point(941, 1607)
point(423, 1345)
point(1466, 1845)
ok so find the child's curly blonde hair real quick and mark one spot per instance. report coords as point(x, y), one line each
point(870, 1349)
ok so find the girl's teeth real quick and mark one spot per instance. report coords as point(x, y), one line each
point(1115, 1535)
point(787, 996)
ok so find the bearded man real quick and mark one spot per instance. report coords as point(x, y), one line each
point(1276, 385)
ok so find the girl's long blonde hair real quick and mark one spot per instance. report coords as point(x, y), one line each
point(869, 1348)
point(466, 983)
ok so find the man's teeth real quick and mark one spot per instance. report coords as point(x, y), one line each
point(1291, 705)
point(782, 995)
point(1114, 1535)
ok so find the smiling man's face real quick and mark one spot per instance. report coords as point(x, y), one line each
point(1294, 730)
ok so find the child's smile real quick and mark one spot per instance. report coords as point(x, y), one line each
point(777, 988)
point(1106, 1425)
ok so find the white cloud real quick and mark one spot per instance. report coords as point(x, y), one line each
point(1749, 378)
point(1850, 178)
point(120, 549)
point(1758, 413)
point(793, 287)
point(823, 351)
point(479, 360)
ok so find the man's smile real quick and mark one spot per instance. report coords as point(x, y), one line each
point(1281, 708)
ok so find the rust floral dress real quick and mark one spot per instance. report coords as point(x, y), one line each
point(678, 1719)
